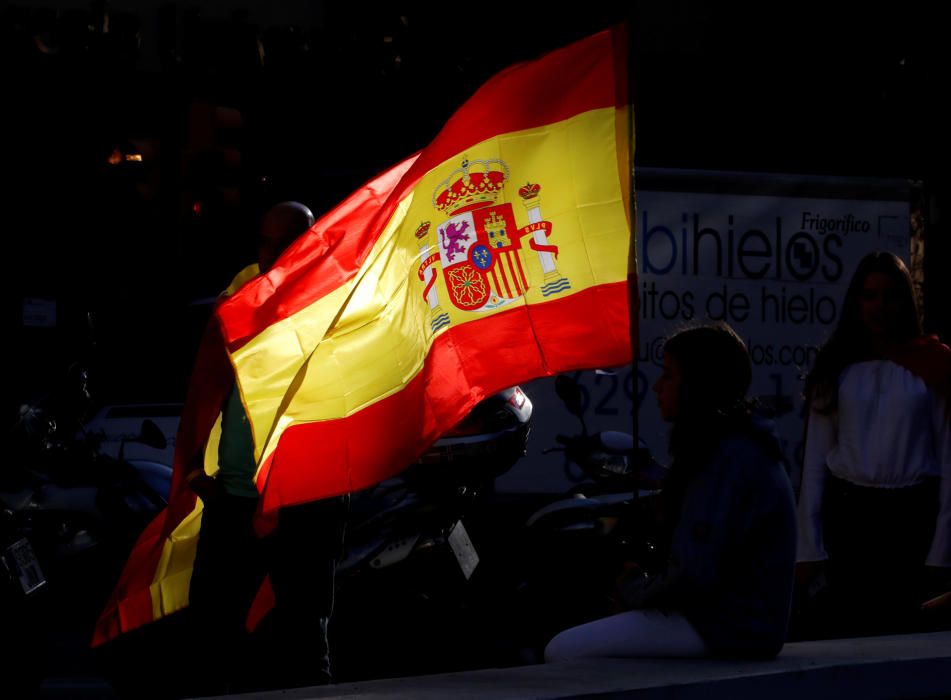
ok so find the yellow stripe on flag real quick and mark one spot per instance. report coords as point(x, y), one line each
point(173, 575)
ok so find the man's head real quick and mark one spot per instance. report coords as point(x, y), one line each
point(281, 226)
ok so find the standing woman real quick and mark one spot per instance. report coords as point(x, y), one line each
point(729, 520)
point(876, 483)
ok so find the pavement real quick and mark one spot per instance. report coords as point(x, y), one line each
point(900, 666)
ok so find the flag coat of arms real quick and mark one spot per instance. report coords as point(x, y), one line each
point(498, 254)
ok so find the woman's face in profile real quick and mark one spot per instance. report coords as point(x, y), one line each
point(879, 306)
point(667, 388)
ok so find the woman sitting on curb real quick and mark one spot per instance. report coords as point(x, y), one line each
point(730, 522)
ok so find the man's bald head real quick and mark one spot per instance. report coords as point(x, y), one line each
point(281, 226)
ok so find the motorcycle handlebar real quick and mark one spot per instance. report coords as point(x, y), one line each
point(605, 456)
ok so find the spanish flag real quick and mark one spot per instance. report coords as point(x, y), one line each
point(498, 254)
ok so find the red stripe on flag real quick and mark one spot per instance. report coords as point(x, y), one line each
point(519, 290)
point(131, 603)
point(521, 272)
point(321, 459)
point(495, 281)
point(500, 265)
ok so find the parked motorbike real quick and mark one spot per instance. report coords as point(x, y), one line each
point(409, 578)
point(22, 598)
point(564, 567)
point(80, 509)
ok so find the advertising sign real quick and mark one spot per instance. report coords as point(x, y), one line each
point(770, 255)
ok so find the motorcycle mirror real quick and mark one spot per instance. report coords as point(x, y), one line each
point(617, 442)
point(152, 436)
point(570, 393)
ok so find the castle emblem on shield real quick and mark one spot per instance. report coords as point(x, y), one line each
point(479, 247)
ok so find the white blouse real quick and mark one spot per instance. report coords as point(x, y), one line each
point(890, 431)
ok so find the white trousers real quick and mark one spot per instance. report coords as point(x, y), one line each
point(635, 633)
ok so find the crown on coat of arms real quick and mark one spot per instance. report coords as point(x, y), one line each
point(423, 229)
point(475, 184)
point(529, 190)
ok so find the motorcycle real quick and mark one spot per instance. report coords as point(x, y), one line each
point(79, 509)
point(563, 569)
point(23, 587)
point(408, 583)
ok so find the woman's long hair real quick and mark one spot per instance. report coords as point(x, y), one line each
point(850, 340)
point(716, 372)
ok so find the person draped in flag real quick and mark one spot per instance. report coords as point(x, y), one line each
point(728, 522)
point(231, 558)
point(875, 502)
point(478, 263)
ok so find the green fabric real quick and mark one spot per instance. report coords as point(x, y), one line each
point(236, 449)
